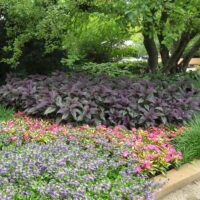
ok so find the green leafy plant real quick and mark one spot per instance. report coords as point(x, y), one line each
point(113, 69)
point(188, 142)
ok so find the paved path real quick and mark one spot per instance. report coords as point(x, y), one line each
point(189, 192)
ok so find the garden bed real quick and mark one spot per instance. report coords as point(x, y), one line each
point(99, 151)
point(40, 159)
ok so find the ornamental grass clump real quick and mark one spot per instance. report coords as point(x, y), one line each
point(5, 113)
point(189, 141)
point(151, 148)
point(83, 99)
point(59, 170)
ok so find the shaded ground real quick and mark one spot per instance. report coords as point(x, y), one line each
point(189, 192)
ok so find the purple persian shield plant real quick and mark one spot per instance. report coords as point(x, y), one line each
point(92, 100)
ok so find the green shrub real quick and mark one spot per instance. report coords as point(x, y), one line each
point(119, 53)
point(196, 81)
point(189, 141)
point(192, 76)
point(137, 67)
point(5, 114)
point(196, 84)
point(113, 69)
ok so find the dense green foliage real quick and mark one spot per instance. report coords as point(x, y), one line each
point(112, 69)
point(196, 78)
point(42, 35)
point(170, 29)
point(188, 141)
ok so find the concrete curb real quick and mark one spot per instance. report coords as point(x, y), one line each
point(178, 178)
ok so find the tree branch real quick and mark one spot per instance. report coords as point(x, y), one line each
point(188, 56)
point(178, 52)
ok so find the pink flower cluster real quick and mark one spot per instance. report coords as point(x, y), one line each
point(32, 128)
point(152, 148)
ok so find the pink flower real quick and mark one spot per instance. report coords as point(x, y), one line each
point(169, 145)
point(26, 137)
point(10, 122)
point(155, 139)
point(171, 151)
point(149, 156)
point(139, 137)
point(168, 158)
point(150, 146)
point(133, 136)
point(138, 169)
point(42, 131)
point(173, 135)
point(134, 129)
point(85, 126)
point(99, 127)
point(18, 114)
point(71, 137)
point(180, 155)
point(163, 145)
point(155, 156)
point(146, 164)
point(13, 138)
point(151, 135)
point(98, 141)
point(157, 149)
point(125, 154)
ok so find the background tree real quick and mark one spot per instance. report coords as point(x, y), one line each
point(169, 27)
point(43, 34)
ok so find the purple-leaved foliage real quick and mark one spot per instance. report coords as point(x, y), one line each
point(83, 99)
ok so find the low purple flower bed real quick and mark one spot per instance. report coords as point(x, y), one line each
point(93, 100)
point(68, 171)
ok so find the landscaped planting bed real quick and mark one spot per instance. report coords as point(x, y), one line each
point(40, 159)
point(151, 148)
point(101, 152)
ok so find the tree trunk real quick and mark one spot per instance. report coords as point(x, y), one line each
point(151, 49)
point(172, 65)
point(188, 56)
point(164, 51)
point(149, 42)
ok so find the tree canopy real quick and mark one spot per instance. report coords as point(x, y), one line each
point(70, 31)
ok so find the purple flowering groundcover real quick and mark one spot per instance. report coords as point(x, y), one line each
point(58, 170)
